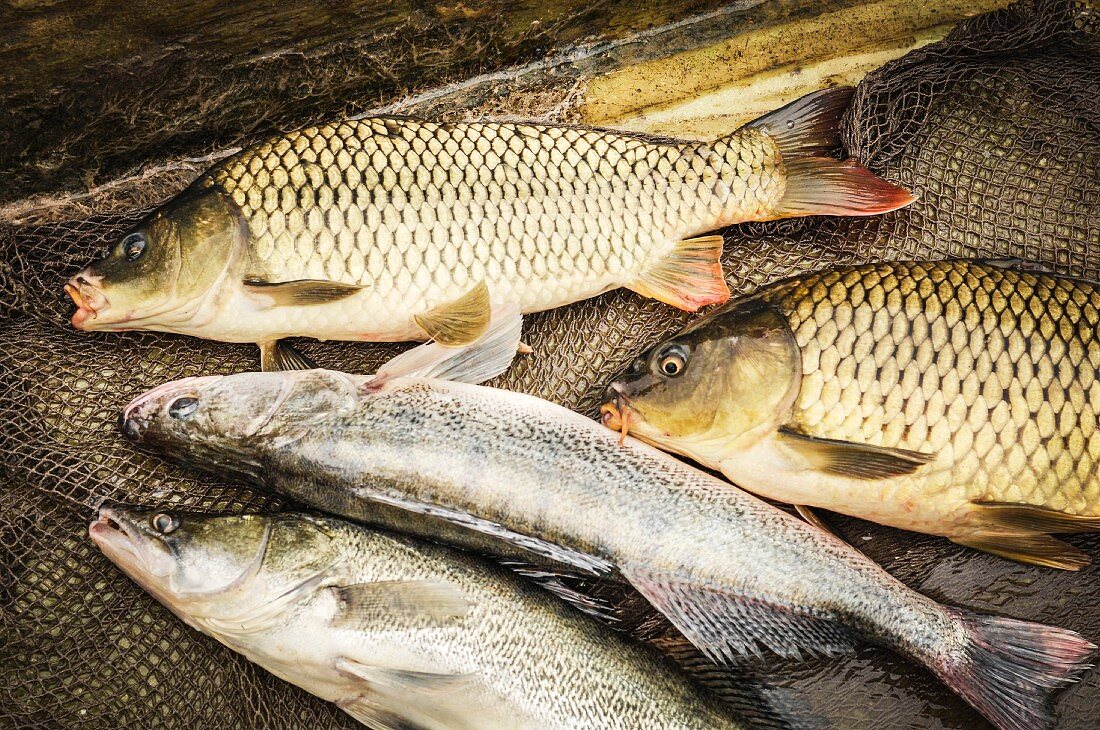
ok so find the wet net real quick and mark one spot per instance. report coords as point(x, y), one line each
point(996, 128)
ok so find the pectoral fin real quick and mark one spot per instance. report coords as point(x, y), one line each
point(689, 277)
point(857, 461)
point(301, 291)
point(418, 603)
point(460, 322)
point(279, 355)
point(395, 698)
point(1020, 532)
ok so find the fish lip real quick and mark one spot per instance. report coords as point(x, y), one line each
point(617, 413)
point(87, 293)
point(116, 536)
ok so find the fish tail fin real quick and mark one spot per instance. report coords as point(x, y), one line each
point(1007, 668)
point(809, 126)
point(689, 277)
point(804, 131)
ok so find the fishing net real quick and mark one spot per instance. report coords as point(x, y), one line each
point(997, 130)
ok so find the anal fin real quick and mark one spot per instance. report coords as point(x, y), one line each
point(689, 277)
point(1034, 548)
point(279, 355)
point(460, 322)
point(856, 461)
point(726, 626)
point(1020, 532)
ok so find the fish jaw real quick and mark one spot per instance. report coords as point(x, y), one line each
point(86, 290)
point(136, 557)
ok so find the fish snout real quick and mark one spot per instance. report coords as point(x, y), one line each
point(86, 290)
point(106, 525)
point(616, 412)
point(170, 399)
point(611, 409)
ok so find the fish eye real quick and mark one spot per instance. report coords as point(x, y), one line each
point(133, 246)
point(672, 361)
point(164, 523)
point(182, 408)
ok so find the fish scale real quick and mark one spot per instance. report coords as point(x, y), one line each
point(507, 474)
point(956, 398)
point(569, 196)
point(990, 369)
point(504, 654)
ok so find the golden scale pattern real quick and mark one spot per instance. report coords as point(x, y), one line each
point(425, 207)
point(992, 370)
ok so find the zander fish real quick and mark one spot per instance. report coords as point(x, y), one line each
point(522, 478)
point(397, 229)
point(399, 633)
point(957, 398)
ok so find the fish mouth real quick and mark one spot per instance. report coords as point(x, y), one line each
point(86, 291)
point(120, 540)
point(617, 413)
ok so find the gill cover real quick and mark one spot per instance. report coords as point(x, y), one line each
point(171, 258)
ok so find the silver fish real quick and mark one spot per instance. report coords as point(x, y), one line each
point(516, 475)
point(399, 633)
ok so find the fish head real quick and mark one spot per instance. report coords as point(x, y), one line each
point(203, 567)
point(230, 424)
point(712, 390)
point(159, 272)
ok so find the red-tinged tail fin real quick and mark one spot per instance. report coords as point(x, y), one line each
point(689, 277)
point(809, 125)
point(804, 130)
point(1009, 668)
point(824, 186)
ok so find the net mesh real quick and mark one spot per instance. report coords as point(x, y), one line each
point(996, 128)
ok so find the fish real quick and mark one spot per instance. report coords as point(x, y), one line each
point(956, 398)
point(395, 229)
point(398, 633)
point(420, 448)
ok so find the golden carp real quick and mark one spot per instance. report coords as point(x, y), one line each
point(395, 229)
point(957, 398)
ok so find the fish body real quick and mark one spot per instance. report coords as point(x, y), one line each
point(399, 633)
point(955, 398)
point(398, 229)
point(511, 474)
